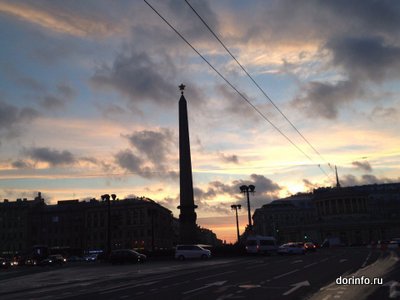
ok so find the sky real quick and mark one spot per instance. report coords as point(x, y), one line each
point(89, 100)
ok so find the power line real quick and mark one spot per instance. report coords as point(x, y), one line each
point(255, 83)
point(233, 87)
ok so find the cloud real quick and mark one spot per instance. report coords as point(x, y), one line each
point(61, 17)
point(364, 165)
point(13, 118)
point(129, 161)
point(154, 145)
point(309, 185)
point(153, 154)
point(229, 158)
point(351, 180)
point(323, 99)
point(366, 58)
point(140, 77)
point(21, 164)
point(50, 156)
point(266, 190)
point(385, 113)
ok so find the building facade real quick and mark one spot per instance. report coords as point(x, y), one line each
point(357, 215)
point(137, 223)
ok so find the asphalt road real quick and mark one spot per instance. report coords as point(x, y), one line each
point(310, 276)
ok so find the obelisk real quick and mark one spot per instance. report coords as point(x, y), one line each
point(187, 217)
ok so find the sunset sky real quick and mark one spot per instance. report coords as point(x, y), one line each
point(89, 99)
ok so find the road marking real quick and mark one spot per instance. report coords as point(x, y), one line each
point(309, 265)
point(126, 286)
point(297, 261)
point(255, 267)
point(296, 286)
point(288, 273)
point(215, 275)
point(217, 283)
point(249, 286)
point(343, 260)
point(366, 260)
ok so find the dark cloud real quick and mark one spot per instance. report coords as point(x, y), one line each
point(129, 161)
point(21, 164)
point(309, 185)
point(140, 77)
point(266, 190)
point(52, 102)
point(154, 145)
point(362, 165)
point(385, 113)
point(359, 41)
point(323, 99)
point(229, 158)
point(366, 58)
point(91, 160)
point(138, 164)
point(51, 156)
point(235, 105)
point(66, 91)
point(12, 119)
point(65, 94)
point(351, 180)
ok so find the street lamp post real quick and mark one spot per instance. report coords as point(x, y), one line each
point(246, 189)
point(106, 197)
point(236, 207)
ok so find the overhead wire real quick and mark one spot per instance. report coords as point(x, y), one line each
point(256, 84)
point(234, 88)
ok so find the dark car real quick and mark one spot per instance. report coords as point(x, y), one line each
point(4, 263)
point(53, 260)
point(310, 247)
point(121, 256)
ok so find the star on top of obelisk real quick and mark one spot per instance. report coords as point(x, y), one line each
point(182, 87)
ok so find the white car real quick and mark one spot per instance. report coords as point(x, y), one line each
point(183, 252)
point(291, 248)
point(394, 244)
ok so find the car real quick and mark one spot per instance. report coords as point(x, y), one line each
point(261, 245)
point(4, 263)
point(91, 257)
point(121, 256)
point(310, 247)
point(52, 260)
point(30, 261)
point(183, 252)
point(291, 248)
point(394, 244)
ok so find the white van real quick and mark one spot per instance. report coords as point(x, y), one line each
point(183, 252)
point(261, 244)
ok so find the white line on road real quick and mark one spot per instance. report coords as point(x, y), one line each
point(255, 267)
point(126, 286)
point(217, 283)
point(297, 261)
point(215, 275)
point(366, 260)
point(309, 265)
point(296, 286)
point(285, 274)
